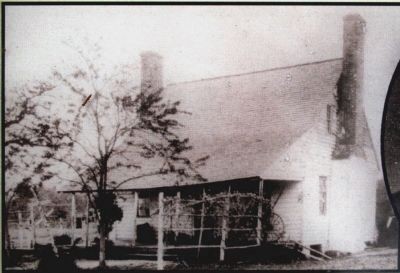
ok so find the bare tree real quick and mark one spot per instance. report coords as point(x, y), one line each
point(121, 134)
point(27, 137)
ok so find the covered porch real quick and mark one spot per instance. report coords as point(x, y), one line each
point(219, 216)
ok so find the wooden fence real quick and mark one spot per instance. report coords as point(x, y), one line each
point(41, 223)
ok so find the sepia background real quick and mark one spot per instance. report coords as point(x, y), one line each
point(200, 42)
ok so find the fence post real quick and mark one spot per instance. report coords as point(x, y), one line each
point(177, 211)
point(224, 227)
point(46, 222)
point(259, 214)
point(87, 222)
point(160, 237)
point(135, 212)
point(203, 208)
point(73, 217)
point(60, 226)
point(20, 235)
point(33, 226)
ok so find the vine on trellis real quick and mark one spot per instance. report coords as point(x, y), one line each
point(241, 210)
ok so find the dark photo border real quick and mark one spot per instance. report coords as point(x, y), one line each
point(396, 76)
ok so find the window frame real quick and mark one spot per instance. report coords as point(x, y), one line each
point(143, 206)
point(323, 195)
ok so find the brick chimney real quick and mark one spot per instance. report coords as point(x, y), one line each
point(349, 89)
point(151, 72)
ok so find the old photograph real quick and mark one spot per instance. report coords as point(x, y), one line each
point(197, 137)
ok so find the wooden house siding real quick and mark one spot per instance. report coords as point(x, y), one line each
point(305, 160)
point(123, 230)
point(289, 208)
point(351, 185)
point(318, 148)
point(309, 158)
point(352, 222)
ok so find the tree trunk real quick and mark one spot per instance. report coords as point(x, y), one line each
point(102, 254)
point(7, 240)
point(102, 251)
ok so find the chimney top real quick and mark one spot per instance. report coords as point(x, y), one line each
point(354, 24)
point(150, 54)
point(151, 72)
point(354, 17)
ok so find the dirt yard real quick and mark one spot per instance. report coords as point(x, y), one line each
point(370, 259)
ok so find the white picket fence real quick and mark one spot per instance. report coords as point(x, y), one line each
point(25, 228)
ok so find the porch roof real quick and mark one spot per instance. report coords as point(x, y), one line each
point(214, 184)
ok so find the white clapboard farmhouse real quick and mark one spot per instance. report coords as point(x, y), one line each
point(297, 135)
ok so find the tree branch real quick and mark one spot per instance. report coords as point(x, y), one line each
point(137, 177)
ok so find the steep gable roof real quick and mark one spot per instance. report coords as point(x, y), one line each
point(243, 122)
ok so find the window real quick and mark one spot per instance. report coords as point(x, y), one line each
point(322, 195)
point(143, 207)
point(331, 118)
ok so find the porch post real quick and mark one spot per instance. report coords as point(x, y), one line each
point(135, 212)
point(177, 211)
point(224, 227)
point(20, 235)
point(259, 214)
point(203, 208)
point(87, 222)
point(60, 226)
point(160, 237)
point(73, 217)
point(33, 226)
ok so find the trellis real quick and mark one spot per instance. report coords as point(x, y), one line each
point(230, 211)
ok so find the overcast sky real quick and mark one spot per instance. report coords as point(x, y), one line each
point(199, 41)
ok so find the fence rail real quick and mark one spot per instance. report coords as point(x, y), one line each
point(40, 223)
